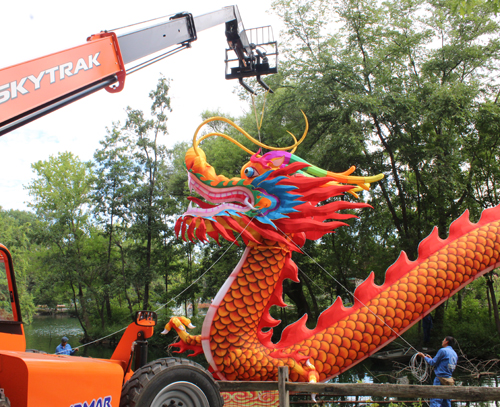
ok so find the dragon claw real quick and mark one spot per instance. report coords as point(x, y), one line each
point(186, 341)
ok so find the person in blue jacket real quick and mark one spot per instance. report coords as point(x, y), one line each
point(64, 348)
point(444, 364)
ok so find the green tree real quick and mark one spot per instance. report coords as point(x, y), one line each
point(148, 202)
point(399, 88)
point(15, 228)
point(113, 184)
point(61, 200)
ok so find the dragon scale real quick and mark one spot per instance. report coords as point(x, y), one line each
point(273, 206)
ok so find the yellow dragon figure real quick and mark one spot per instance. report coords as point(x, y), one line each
point(273, 207)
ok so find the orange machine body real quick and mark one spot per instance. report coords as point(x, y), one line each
point(36, 379)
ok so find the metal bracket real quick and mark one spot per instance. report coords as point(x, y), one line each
point(190, 25)
point(120, 76)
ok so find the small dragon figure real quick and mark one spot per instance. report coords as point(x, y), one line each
point(274, 206)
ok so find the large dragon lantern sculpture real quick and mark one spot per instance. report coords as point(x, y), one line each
point(277, 202)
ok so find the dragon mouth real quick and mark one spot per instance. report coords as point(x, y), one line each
point(237, 199)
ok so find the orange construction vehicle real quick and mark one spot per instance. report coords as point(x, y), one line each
point(31, 378)
point(32, 89)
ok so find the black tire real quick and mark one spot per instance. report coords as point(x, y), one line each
point(171, 382)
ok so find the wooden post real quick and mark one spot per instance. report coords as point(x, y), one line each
point(282, 390)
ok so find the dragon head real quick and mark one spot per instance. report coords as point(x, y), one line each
point(277, 195)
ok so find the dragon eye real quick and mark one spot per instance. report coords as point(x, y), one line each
point(250, 172)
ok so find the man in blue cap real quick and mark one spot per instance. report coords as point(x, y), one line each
point(444, 364)
point(64, 348)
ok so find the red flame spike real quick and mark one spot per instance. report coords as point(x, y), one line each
point(201, 231)
point(293, 331)
point(190, 232)
point(291, 271)
point(277, 296)
point(366, 291)
point(320, 194)
point(228, 231)
point(488, 215)
point(184, 225)
point(267, 321)
point(331, 314)
point(394, 271)
point(305, 185)
point(270, 234)
point(239, 229)
point(299, 239)
point(463, 225)
point(222, 231)
point(289, 169)
point(213, 231)
point(326, 319)
point(292, 225)
point(177, 227)
point(428, 245)
point(265, 338)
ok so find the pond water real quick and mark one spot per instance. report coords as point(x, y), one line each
point(46, 331)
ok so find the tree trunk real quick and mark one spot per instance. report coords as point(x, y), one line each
point(489, 300)
point(108, 307)
point(313, 297)
point(439, 319)
point(489, 282)
point(145, 303)
point(85, 315)
point(85, 334)
point(296, 294)
point(125, 284)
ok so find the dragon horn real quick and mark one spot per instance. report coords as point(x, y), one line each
point(343, 177)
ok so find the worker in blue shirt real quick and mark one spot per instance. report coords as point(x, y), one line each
point(444, 364)
point(64, 348)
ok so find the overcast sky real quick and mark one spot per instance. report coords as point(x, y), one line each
point(31, 29)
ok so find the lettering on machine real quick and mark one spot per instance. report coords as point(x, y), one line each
point(46, 77)
point(100, 402)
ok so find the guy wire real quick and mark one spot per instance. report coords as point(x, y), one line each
point(259, 125)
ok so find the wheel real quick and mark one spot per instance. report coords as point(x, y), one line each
point(4, 401)
point(171, 382)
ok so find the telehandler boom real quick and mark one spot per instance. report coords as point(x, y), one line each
point(34, 88)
